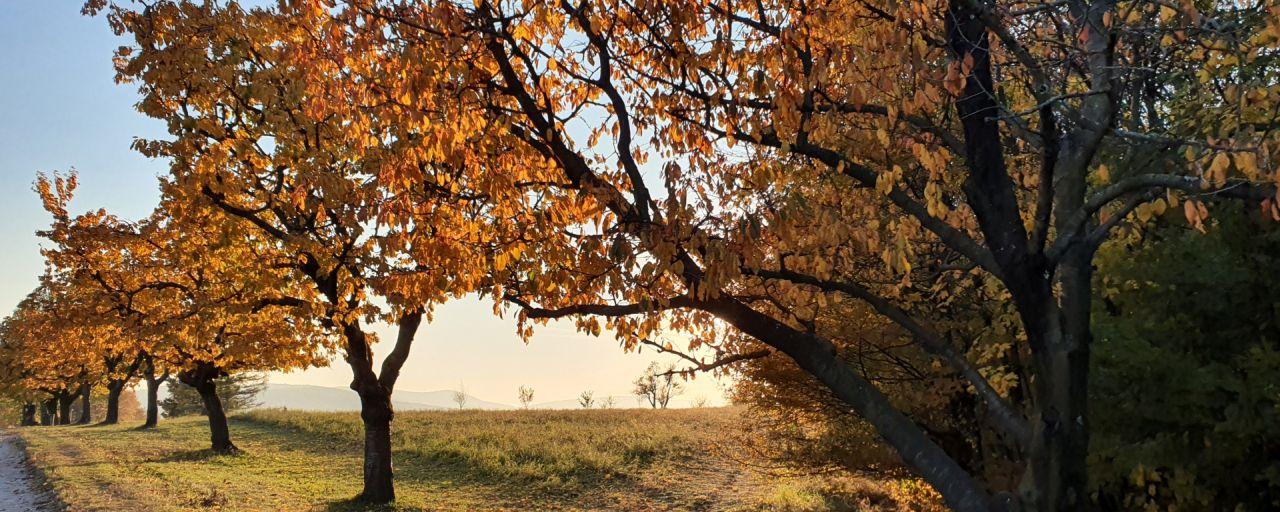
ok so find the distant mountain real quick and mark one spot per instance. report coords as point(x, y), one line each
point(322, 398)
point(443, 399)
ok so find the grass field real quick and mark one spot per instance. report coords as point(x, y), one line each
point(470, 460)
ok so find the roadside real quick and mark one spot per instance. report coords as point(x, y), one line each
point(19, 489)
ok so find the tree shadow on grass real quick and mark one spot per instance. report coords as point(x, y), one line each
point(456, 474)
point(355, 505)
point(195, 455)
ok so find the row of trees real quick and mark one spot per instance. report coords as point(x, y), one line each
point(124, 301)
point(762, 177)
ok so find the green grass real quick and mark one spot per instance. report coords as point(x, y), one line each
point(471, 460)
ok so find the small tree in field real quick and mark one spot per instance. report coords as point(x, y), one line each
point(460, 397)
point(656, 386)
point(526, 396)
point(587, 399)
point(608, 402)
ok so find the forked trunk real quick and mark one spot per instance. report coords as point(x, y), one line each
point(375, 403)
point(86, 404)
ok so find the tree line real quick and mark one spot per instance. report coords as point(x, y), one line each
point(769, 179)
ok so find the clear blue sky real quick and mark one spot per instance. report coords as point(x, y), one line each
point(60, 108)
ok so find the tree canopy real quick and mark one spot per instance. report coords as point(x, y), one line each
point(796, 183)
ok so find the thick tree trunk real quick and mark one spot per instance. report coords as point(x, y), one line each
point(114, 388)
point(203, 380)
point(47, 409)
point(65, 400)
point(1053, 303)
point(86, 404)
point(1058, 472)
point(28, 414)
point(219, 432)
point(375, 410)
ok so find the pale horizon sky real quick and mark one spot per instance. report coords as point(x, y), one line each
point(61, 109)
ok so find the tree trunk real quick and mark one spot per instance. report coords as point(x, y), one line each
point(1058, 472)
point(86, 404)
point(47, 409)
point(114, 388)
point(819, 358)
point(65, 399)
point(153, 404)
point(202, 378)
point(28, 414)
point(153, 390)
point(375, 403)
point(375, 410)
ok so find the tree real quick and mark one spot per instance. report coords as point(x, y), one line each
point(83, 249)
point(186, 287)
point(891, 128)
point(154, 377)
point(525, 396)
point(657, 386)
point(237, 392)
point(797, 140)
point(313, 178)
point(460, 398)
point(608, 402)
point(586, 399)
point(49, 353)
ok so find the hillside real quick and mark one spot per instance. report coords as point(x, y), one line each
point(469, 460)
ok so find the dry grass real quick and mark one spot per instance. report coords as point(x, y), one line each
point(471, 460)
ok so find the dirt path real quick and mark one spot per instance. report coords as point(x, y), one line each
point(18, 493)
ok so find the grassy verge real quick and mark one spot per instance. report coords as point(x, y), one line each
point(472, 460)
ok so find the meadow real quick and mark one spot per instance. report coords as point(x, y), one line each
point(455, 460)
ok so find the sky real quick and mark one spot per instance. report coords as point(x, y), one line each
point(60, 109)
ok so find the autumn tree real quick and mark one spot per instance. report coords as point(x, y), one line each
point(190, 291)
point(15, 374)
point(685, 133)
point(655, 155)
point(83, 250)
point(258, 104)
point(47, 354)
